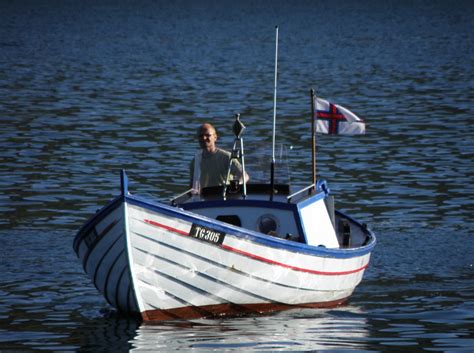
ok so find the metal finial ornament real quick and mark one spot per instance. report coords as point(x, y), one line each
point(238, 127)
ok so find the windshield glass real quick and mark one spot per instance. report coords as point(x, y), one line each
point(258, 159)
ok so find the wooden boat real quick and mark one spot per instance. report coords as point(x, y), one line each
point(230, 250)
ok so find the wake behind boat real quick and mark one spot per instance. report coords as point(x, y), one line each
point(231, 250)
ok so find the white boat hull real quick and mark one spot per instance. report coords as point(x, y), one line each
point(163, 262)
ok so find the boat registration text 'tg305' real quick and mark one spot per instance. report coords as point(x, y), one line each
point(206, 234)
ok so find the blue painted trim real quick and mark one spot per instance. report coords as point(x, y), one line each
point(93, 220)
point(123, 182)
point(238, 203)
point(247, 234)
point(323, 186)
point(310, 200)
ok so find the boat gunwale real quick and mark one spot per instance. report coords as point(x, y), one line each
point(278, 201)
point(96, 218)
point(257, 237)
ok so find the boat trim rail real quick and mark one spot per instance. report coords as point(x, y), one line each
point(181, 197)
point(308, 188)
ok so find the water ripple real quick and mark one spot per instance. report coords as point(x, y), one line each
point(91, 88)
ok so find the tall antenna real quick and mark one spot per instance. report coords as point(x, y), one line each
point(272, 170)
point(313, 134)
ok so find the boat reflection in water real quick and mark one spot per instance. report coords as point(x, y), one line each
point(296, 329)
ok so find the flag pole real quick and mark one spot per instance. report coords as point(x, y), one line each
point(313, 135)
point(272, 169)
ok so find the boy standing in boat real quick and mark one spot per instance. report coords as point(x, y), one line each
point(210, 164)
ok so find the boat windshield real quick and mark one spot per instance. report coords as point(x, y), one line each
point(258, 159)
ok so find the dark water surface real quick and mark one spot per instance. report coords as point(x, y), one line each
point(88, 88)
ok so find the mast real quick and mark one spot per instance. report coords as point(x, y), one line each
point(313, 135)
point(272, 168)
